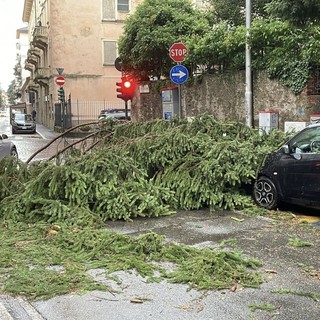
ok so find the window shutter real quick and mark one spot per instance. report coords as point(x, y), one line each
point(108, 10)
point(109, 52)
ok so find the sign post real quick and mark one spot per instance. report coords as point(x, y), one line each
point(60, 82)
point(178, 74)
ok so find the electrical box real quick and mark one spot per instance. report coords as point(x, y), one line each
point(268, 120)
point(170, 102)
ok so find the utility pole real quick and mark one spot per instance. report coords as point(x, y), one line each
point(248, 95)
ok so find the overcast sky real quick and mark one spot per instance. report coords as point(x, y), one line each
point(10, 21)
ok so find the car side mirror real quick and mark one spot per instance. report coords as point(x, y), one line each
point(285, 148)
point(3, 136)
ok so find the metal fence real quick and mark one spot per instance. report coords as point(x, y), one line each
point(88, 111)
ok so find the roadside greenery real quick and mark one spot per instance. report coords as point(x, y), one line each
point(284, 38)
point(41, 260)
point(53, 214)
point(145, 169)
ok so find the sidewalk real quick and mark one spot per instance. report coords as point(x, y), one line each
point(46, 133)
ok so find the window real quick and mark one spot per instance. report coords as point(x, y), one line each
point(108, 10)
point(123, 5)
point(306, 141)
point(109, 52)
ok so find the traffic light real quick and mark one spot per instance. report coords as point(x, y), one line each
point(126, 88)
point(61, 94)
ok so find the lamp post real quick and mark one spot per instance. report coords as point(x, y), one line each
point(248, 94)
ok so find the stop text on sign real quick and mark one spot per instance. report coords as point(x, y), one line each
point(178, 52)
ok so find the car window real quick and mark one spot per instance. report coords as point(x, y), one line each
point(306, 141)
point(19, 116)
point(23, 117)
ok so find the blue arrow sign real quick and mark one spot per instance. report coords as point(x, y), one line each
point(179, 74)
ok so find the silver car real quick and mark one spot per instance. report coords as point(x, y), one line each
point(23, 123)
point(7, 148)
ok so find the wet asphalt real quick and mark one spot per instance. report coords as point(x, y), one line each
point(295, 269)
point(284, 268)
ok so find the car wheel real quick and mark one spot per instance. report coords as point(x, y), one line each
point(14, 153)
point(265, 193)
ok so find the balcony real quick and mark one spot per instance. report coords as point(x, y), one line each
point(32, 86)
point(33, 56)
point(42, 75)
point(28, 66)
point(40, 37)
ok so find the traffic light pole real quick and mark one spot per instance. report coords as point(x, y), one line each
point(126, 109)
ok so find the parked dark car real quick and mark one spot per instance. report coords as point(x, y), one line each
point(292, 173)
point(23, 123)
point(7, 148)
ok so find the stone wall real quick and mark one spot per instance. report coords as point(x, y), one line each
point(223, 95)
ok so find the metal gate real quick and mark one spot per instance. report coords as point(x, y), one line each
point(62, 117)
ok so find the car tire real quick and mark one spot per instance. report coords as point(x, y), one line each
point(265, 193)
point(14, 153)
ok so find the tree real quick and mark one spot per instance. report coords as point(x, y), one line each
point(297, 12)
point(152, 29)
point(11, 92)
point(285, 51)
point(233, 11)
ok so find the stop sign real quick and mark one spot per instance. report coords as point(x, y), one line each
point(178, 52)
point(60, 81)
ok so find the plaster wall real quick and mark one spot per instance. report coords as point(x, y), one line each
point(223, 96)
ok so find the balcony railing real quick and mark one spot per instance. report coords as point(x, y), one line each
point(40, 37)
point(42, 73)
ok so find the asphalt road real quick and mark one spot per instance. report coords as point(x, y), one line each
point(294, 269)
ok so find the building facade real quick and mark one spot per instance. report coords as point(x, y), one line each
point(77, 39)
point(21, 74)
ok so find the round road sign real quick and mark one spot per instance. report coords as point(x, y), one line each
point(178, 52)
point(179, 74)
point(60, 81)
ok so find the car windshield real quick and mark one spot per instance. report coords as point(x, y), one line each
point(23, 117)
point(306, 140)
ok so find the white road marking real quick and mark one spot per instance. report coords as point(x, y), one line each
point(4, 314)
point(30, 310)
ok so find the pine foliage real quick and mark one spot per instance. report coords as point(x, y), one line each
point(146, 169)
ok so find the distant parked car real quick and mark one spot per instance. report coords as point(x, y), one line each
point(116, 114)
point(292, 173)
point(7, 148)
point(23, 123)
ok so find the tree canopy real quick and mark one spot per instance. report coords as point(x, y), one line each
point(297, 12)
point(151, 30)
point(284, 38)
point(233, 11)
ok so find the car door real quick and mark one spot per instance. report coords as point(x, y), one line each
point(301, 176)
point(301, 168)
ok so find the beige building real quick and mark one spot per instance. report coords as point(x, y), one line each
point(21, 74)
point(79, 40)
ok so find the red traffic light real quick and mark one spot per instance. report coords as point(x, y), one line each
point(127, 84)
point(126, 88)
